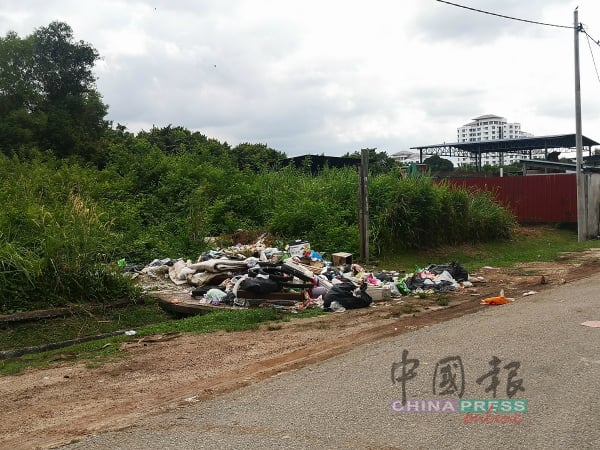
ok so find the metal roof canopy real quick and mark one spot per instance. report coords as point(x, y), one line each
point(523, 146)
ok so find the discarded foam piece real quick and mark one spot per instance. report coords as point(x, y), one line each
point(592, 323)
point(379, 293)
point(477, 279)
point(298, 270)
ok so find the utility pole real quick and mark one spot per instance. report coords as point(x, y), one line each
point(581, 206)
point(363, 205)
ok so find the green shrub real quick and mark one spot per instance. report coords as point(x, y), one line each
point(419, 213)
point(63, 225)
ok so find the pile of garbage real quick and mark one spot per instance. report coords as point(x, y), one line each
point(436, 278)
point(252, 275)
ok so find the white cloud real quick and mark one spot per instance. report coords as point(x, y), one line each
point(330, 76)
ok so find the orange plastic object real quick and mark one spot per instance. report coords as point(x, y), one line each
point(499, 300)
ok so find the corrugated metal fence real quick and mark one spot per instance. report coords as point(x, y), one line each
point(532, 199)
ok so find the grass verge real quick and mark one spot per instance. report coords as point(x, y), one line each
point(540, 243)
point(84, 320)
point(97, 352)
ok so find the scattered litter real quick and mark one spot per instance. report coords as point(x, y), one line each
point(250, 275)
point(525, 294)
point(381, 293)
point(214, 296)
point(160, 337)
point(191, 399)
point(336, 307)
point(130, 333)
point(499, 300)
point(440, 277)
point(592, 323)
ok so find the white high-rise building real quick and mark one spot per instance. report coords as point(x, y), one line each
point(490, 128)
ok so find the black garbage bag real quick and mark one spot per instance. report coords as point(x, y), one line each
point(414, 282)
point(456, 270)
point(260, 285)
point(348, 295)
point(382, 276)
point(229, 299)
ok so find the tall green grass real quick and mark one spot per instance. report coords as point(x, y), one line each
point(63, 226)
point(55, 242)
point(414, 212)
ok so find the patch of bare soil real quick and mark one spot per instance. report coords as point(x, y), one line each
point(48, 407)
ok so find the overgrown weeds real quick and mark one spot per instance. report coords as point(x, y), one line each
point(63, 226)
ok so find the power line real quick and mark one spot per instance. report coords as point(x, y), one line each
point(597, 42)
point(578, 28)
point(592, 53)
point(505, 17)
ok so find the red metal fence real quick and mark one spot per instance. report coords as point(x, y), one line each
point(532, 199)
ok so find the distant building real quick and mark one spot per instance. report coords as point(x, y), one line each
point(490, 128)
point(405, 157)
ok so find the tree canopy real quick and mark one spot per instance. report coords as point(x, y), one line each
point(437, 164)
point(48, 97)
point(256, 156)
point(379, 162)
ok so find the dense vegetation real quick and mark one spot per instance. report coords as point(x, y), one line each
point(62, 223)
point(78, 193)
point(48, 98)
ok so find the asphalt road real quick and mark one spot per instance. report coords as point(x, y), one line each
point(348, 401)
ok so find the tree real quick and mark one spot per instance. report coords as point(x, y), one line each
point(48, 97)
point(437, 164)
point(17, 89)
point(256, 156)
point(179, 141)
point(378, 162)
point(62, 67)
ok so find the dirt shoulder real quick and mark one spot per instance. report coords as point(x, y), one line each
point(44, 408)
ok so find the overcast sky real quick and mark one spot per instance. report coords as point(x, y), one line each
point(331, 76)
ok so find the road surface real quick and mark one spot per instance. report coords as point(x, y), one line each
point(541, 352)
